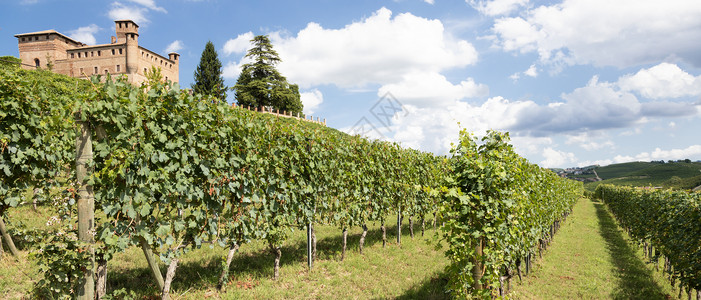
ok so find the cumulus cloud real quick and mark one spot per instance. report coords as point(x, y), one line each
point(430, 89)
point(175, 46)
point(660, 154)
point(85, 34)
point(311, 100)
point(136, 13)
point(497, 7)
point(662, 81)
point(556, 158)
point(379, 49)
point(431, 123)
point(150, 4)
point(120, 11)
point(239, 45)
point(605, 33)
point(588, 141)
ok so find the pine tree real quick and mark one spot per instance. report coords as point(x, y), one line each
point(208, 75)
point(260, 84)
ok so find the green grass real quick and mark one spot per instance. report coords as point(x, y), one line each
point(592, 258)
point(413, 270)
point(649, 174)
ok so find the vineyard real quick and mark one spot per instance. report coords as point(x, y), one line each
point(160, 169)
point(666, 223)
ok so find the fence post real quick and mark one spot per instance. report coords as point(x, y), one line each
point(399, 225)
point(86, 204)
point(477, 268)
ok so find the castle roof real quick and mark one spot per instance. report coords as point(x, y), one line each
point(50, 31)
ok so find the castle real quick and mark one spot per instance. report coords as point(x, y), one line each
point(49, 48)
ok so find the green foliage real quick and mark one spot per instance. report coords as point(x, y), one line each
point(10, 62)
point(260, 84)
point(36, 131)
point(208, 75)
point(177, 170)
point(669, 220)
point(497, 201)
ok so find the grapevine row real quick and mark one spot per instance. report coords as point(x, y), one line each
point(668, 221)
point(172, 171)
point(499, 210)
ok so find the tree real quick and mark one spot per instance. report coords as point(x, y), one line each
point(208, 76)
point(260, 84)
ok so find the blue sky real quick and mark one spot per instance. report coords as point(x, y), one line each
point(575, 82)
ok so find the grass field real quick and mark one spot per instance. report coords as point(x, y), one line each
point(410, 271)
point(592, 258)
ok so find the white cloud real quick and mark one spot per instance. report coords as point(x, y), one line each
point(85, 34)
point(588, 141)
point(496, 7)
point(555, 158)
point(175, 46)
point(430, 89)
point(532, 71)
point(430, 1)
point(232, 70)
point(659, 154)
point(120, 11)
point(606, 33)
point(311, 100)
point(150, 4)
point(379, 49)
point(662, 81)
point(239, 45)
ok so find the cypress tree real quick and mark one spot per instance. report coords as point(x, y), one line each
point(260, 84)
point(208, 75)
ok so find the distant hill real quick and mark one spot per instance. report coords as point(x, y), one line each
point(678, 175)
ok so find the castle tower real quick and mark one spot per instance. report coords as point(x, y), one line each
point(128, 33)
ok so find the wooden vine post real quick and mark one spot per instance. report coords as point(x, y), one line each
point(477, 266)
point(86, 204)
point(310, 229)
point(399, 225)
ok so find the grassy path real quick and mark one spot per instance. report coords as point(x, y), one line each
point(591, 258)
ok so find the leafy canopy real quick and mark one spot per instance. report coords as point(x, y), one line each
point(260, 84)
point(208, 75)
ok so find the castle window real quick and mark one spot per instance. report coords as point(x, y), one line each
point(36, 62)
point(36, 38)
point(112, 51)
point(78, 54)
point(86, 53)
point(98, 52)
point(72, 55)
point(120, 24)
point(144, 70)
point(117, 68)
point(120, 51)
point(166, 78)
point(95, 71)
point(81, 71)
point(92, 53)
point(23, 39)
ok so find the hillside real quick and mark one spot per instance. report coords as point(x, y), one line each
point(678, 175)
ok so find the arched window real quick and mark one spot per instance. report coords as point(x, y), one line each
point(36, 63)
